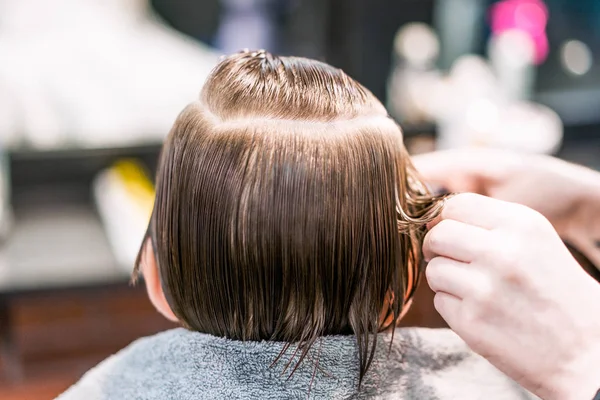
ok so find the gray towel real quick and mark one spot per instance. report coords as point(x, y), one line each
point(184, 365)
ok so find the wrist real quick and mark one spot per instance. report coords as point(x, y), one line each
point(578, 375)
point(583, 227)
point(580, 380)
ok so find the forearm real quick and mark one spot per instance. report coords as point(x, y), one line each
point(584, 233)
point(579, 376)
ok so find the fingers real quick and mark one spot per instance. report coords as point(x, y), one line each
point(452, 170)
point(464, 170)
point(449, 276)
point(449, 308)
point(456, 240)
point(438, 167)
point(480, 211)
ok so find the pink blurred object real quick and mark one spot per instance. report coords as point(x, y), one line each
point(529, 16)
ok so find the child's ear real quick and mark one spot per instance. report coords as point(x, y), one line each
point(153, 285)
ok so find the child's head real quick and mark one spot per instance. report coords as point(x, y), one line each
point(286, 207)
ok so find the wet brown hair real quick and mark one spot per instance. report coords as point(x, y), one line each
point(287, 207)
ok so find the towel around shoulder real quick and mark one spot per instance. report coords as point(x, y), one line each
point(179, 364)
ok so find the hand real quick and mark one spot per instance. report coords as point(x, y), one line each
point(566, 194)
point(508, 286)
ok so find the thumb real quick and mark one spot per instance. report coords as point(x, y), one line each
point(450, 170)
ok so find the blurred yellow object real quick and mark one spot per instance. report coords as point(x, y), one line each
point(124, 195)
point(136, 182)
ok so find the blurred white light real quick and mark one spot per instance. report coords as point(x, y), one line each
point(576, 57)
point(482, 115)
point(472, 78)
point(512, 55)
point(417, 43)
point(514, 47)
point(529, 127)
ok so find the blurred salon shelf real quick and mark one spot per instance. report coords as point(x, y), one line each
point(56, 240)
point(56, 260)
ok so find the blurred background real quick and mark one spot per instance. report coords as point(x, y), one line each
point(90, 88)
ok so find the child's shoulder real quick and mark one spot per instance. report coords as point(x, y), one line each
point(438, 340)
point(129, 364)
point(439, 362)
